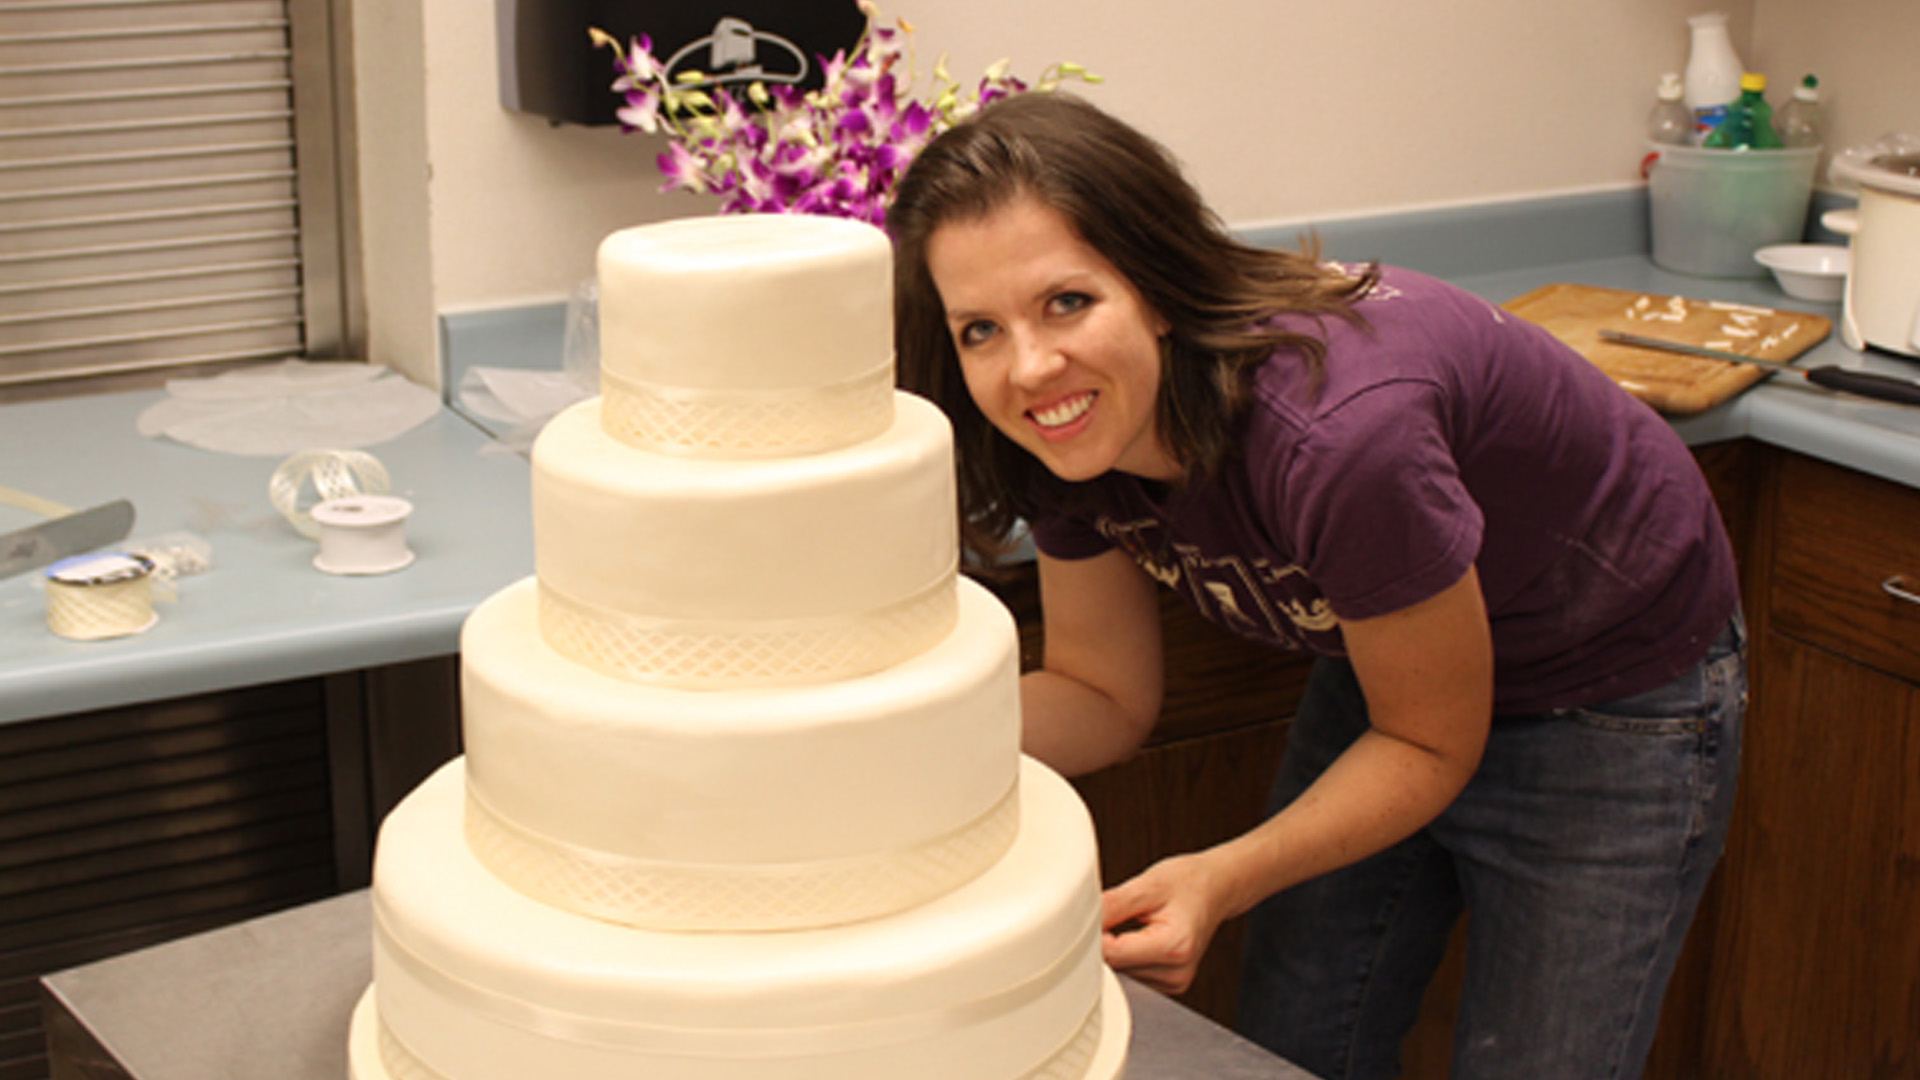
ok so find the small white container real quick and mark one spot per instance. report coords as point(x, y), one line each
point(1808, 271)
point(363, 534)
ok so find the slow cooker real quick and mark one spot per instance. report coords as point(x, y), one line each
point(1882, 303)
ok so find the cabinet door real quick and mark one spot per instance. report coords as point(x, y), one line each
point(1817, 953)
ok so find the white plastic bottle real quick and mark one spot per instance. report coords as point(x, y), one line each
point(1670, 121)
point(1713, 73)
point(1799, 119)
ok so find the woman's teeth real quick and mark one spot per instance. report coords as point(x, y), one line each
point(1064, 413)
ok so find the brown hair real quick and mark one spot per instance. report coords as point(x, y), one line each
point(1126, 197)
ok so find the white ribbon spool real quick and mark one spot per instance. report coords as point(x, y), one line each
point(363, 534)
point(333, 474)
point(93, 597)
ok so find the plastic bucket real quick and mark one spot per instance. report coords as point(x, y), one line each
point(1712, 209)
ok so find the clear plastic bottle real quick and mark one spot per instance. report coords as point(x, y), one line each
point(1799, 119)
point(1749, 122)
point(1713, 72)
point(1670, 121)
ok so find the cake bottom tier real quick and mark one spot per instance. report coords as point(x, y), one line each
point(1000, 979)
point(1102, 1057)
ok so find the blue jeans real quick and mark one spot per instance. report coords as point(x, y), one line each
point(1580, 849)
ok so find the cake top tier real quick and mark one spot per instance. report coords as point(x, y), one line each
point(747, 334)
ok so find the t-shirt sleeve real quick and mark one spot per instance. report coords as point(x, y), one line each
point(1374, 503)
point(1069, 538)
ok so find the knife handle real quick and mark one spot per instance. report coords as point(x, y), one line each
point(1866, 384)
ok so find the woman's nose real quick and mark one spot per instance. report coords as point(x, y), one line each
point(1035, 361)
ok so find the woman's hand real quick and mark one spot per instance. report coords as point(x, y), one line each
point(1158, 925)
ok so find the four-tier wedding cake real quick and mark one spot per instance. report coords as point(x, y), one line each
point(742, 796)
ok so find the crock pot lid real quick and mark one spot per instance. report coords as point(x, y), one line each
point(1894, 170)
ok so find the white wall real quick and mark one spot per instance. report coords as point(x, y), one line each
point(397, 237)
point(1864, 52)
point(1283, 110)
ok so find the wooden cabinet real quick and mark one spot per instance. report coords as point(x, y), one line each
point(1815, 967)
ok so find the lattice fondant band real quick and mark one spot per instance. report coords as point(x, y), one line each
point(779, 652)
point(747, 423)
point(661, 895)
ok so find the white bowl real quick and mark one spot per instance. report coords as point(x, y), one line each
point(1808, 271)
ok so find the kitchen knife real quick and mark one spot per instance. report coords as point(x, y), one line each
point(75, 534)
point(1863, 383)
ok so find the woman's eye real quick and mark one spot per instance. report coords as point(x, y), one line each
point(975, 334)
point(1069, 302)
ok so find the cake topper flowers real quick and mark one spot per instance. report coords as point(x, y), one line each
point(835, 151)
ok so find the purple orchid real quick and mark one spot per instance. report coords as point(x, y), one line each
point(837, 151)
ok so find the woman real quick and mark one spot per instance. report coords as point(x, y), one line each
point(1529, 678)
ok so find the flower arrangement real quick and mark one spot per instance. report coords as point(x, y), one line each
point(835, 151)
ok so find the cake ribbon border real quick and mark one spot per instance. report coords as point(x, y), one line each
point(533, 864)
point(741, 1043)
point(747, 422)
point(664, 650)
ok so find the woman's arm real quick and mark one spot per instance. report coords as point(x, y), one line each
point(1427, 672)
point(1097, 694)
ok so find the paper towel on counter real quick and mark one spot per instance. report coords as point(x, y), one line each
point(289, 406)
point(524, 399)
point(528, 398)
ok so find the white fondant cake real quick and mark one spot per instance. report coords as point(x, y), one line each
point(717, 572)
point(782, 807)
point(742, 796)
point(753, 341)
point(998, 979)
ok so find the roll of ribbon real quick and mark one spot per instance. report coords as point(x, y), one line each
point(92, 597)
point(331, 474)
point(363, 534)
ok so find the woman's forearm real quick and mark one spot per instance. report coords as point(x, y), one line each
point(1378, 792)
point(1075, 728)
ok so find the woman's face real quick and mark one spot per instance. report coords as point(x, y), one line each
point(1058, 348)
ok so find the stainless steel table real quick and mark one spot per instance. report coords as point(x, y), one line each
point(271, 997)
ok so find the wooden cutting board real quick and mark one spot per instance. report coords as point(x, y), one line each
point(1670, 382)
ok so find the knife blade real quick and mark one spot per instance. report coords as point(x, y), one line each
point(77, 533)
point(1863, 383)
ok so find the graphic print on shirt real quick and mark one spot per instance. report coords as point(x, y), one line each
point(1253, 598)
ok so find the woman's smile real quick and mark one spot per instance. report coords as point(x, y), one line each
point(1058, 416)
point(1059, 350)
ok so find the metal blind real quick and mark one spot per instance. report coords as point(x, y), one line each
point(149, 212)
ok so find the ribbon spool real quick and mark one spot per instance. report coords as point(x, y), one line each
point(363, 534)
point(332, 474)
point(93, 597)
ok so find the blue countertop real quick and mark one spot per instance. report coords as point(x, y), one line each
point(262, 613)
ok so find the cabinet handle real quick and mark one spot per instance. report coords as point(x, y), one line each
point(1896, 587)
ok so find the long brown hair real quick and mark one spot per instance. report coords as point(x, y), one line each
point(1126, 197)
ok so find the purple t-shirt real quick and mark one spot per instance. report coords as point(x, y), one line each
point(1447, 433)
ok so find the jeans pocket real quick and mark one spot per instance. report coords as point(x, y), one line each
point(1626, 717)
point(1694, 702)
